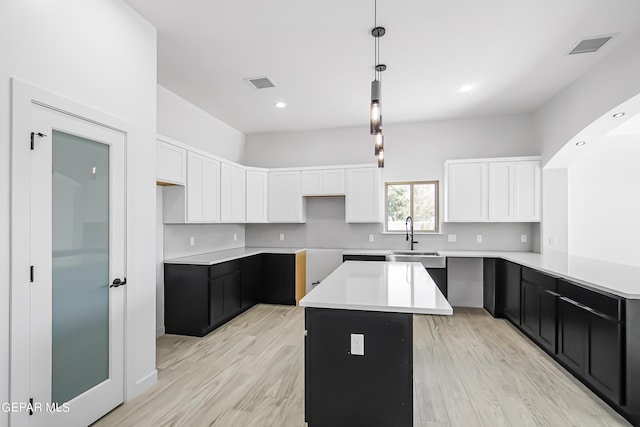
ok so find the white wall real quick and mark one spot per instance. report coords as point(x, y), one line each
point(604, 201)
point(184, 122)
point(412, 150)
point(555, 211)
point(600, 89)
point(102, 54)
point(605, 86)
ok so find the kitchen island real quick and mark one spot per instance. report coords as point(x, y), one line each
point(359, 342)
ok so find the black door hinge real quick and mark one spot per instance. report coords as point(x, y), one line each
point(31, 273)
point(33, 135)
point(31, 406)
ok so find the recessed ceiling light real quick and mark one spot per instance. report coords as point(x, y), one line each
point(280, 104)
point(580, 143)
point(618, 115)
point(465, 88)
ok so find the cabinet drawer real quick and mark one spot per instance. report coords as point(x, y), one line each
point(223, 269)
point(537, 278)
point(606, 304)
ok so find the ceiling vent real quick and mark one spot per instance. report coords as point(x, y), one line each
point(590, 45)
point(260, 82)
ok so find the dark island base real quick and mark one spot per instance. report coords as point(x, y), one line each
point(347, 390)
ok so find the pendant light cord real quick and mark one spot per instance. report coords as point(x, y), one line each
point(375, 41)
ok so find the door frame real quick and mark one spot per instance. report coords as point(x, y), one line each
point(23, 95)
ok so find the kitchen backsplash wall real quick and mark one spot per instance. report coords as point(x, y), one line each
point(326, 228)
point(207, 238)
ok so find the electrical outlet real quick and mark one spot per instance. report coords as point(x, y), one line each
point(479, 238)
point(357, 344)
point(235, 236)
point(451, 238)
point(371, 237)
point(192, 241)
point(281, 236)
point(523, 238)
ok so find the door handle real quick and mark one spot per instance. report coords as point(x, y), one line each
point(118, 282)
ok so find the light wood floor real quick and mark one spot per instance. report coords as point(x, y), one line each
point(469, 369)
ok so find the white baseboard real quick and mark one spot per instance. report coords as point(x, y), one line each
point(142, 385)
point(159, 331)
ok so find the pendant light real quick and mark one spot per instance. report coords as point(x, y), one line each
point(375, 110)
point(376, 84)
point(378, 140)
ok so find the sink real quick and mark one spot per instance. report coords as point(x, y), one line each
point(414, 253)
point(428, 259)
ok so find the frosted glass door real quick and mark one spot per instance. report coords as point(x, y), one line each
point(80, 266)
point(77, 249)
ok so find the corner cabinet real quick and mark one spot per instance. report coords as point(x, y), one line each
point(493, 190)
point(285, 197)
point(363, 202)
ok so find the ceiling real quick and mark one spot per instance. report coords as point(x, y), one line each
point(320, 56)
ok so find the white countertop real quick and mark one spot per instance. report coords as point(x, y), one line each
point(397, 287)
point(619, 279)
point(211, 258)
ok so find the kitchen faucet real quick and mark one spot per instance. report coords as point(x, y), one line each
point(409, 231)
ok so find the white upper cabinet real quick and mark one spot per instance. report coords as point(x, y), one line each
point(495, 190)
point(466, 190)
point(323, 182)
point(203, 189)
point(501, 191)
point(363, 195)
point(526, 191)
point(199, 200)
point(285, 197)
point(232, 193)
point(171, 163)
point(256, 195)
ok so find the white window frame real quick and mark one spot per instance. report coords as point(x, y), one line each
point(411, 184)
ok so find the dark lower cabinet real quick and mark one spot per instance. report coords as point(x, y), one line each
point(594, 334)
point(491, 290)
point(572, 335)
point(547, 332)
point(591, 345)
point(250, 279)
point(216, 301)
point(345, 390)
point(538, 311)
point(439, 275)
point(510, 289)
point(187, 299)
point(199, 298)
point(279, 275)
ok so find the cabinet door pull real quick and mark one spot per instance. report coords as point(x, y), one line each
point(555, 294)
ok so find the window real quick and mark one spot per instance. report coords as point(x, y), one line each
point(416, 199)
